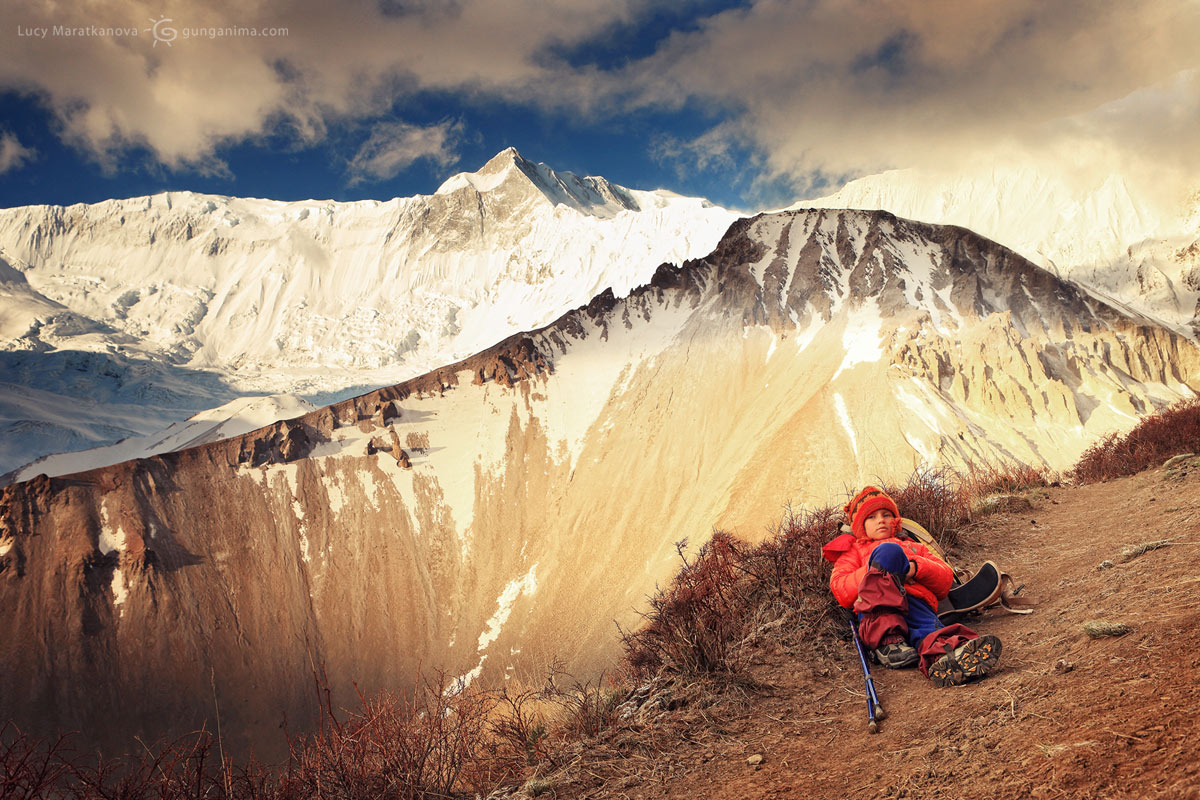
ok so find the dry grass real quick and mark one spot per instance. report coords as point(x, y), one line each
point(446, 740)
point(695, 624)
point(185, 768)
point(1170, 432)
point(394, 747)
point(29, 767)
point(1134, 551)
point(431, 745)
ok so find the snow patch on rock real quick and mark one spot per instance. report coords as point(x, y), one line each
point(860, 338)
point(839, 406)
point(111, 540)
point(119, 589)
point(525, 585)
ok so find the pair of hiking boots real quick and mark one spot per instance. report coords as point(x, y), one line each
point(968, 661)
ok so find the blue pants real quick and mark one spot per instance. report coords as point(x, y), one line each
point(921, 620)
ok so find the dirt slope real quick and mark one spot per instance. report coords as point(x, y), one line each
point(1065, 716)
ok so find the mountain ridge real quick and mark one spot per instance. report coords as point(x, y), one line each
point(316, 297)
point(1102, 233)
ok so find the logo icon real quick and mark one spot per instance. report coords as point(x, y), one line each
point(162, 30)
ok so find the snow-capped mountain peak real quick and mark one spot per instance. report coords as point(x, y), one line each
point(521, 180)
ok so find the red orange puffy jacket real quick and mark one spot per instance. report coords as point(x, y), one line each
point(931, 583)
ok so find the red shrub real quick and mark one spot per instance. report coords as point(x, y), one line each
point(695, 625)
point(1170, 432)
point(392, 747)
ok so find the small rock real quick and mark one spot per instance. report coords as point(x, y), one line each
point(1171, 462)
point(1105, 564)
point(1011, 503)
point(755, 760)
point(1063, 666)
point(1098, 628)
point(388, 411)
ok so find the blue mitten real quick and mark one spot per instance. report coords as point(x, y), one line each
point(890, 557)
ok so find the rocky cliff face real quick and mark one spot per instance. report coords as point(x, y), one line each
point(506, 509)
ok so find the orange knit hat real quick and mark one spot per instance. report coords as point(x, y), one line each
point(866, 503)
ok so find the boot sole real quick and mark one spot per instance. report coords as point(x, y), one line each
point(979, 656)
point(974, 659)
point(946, 672)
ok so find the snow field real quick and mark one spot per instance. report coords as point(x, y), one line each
point(861, 337)
point(526, 585)
point(239, 416)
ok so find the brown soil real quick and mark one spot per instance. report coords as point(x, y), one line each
point(1066, 715)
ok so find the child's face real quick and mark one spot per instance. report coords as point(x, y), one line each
point(878, 525)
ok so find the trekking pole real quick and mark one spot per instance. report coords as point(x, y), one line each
point(875, 712)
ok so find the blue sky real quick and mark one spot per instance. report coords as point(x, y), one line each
point(278, 166)
point(751, 104)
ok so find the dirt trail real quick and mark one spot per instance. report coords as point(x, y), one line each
point(1065, 715)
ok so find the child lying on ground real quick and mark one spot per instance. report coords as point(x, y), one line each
point(894, 586)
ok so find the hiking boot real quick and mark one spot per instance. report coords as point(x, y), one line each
point(972, 660)
point(896, 655)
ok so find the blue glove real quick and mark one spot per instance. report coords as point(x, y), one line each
point(890, 557)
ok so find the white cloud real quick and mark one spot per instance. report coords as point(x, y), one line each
point(13, 154)
point(324, 63)
point(851, 87)
point(713, 149)
point(393, 146)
